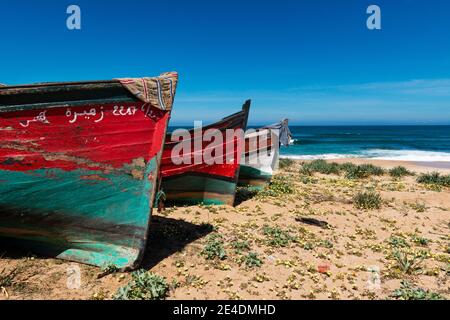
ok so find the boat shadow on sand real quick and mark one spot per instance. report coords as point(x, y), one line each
point(166, 236)
point(243, 194)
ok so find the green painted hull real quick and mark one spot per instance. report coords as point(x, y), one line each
point(253, 177)
point(82, 215)
point(192, 189)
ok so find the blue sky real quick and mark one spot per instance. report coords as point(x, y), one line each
point(314, 61)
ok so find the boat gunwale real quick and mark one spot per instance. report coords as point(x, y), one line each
point(108, 91)
point(56, 83)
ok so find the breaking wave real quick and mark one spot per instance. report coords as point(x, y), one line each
point(380, 154)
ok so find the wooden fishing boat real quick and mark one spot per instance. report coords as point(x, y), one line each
point(208, 183)
point(79, 165)
point(261, 157)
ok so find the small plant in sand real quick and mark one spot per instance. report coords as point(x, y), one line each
point(400, 171)
point(408, 263)
point(240, 246)
point(367, 200)
point(398, 242)
point(277, 237)
point(286, 163)
point(7, 278)
point(280, 185)
point(419, 206)
point(421, 241)
point(214, 248)
point(252, 260)
point(307, 179)
point(108, 269)
point(408, 292)
point(434, 178)
point(143, 286)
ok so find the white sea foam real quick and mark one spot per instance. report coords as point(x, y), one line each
point(328, 156)
point(408, 155)
point(381, 154)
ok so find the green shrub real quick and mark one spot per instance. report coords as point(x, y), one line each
point(252, 260)
point(306, 170)
point(240, 246)
point(351, 170)
point(373, 170)
point(408, 263)
point(399, 172)
point(367, 200)
point(325, 244)
point(276, 237)
point(434, 178)
point(398, 242)
point(363, 171)
point(214, 247)
point(347, 166)
point(143, 286)
point(320, 166)
point(285, 163)
point(429, 178)
point(421, 241)
point(408, 292)
point(280, 185)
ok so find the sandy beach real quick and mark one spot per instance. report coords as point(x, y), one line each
point(303, 238)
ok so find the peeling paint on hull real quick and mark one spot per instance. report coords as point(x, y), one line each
point(98, 223)
point(78, 180)
point(192, 188)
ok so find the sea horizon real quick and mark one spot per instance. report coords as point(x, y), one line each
point(417, 143)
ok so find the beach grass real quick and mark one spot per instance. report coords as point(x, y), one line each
point(350, 170)
point(286, 163)
point(367, 200)
point(434, 178)
point(400, 171)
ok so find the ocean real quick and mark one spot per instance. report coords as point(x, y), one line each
point(405, 143)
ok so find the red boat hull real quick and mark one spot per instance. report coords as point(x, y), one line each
point(205, 182)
